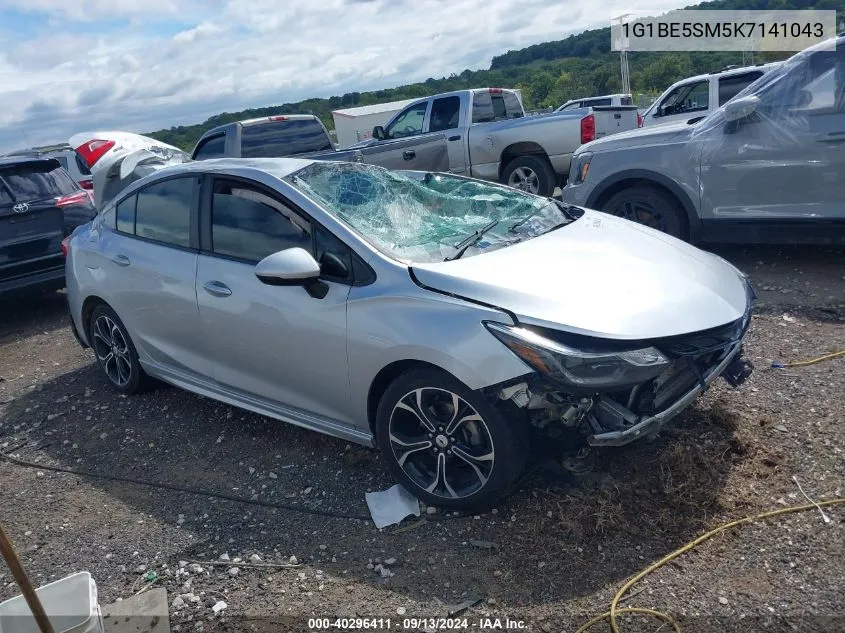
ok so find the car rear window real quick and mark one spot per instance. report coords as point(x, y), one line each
point(36, 181)
point(487, 106)
point(283, 138)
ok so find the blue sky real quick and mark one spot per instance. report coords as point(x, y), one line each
point(140, 65)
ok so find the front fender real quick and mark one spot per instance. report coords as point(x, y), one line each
point(428, 327)
point(685, 192)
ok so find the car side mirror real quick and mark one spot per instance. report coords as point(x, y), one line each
point(738, 109)
point(378, 133)
point(292, 267)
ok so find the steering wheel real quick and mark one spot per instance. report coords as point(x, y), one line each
point(409, 129)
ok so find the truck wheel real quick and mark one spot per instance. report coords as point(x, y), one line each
point(651, 207)
point(530, 173)
point(446, 444)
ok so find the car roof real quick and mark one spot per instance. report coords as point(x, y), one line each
point(278, 167)
point(6, 161)
point(726, 73)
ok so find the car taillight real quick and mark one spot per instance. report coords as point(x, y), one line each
point(93, 150)
point(73, 198)
point(639, 120)
point(66, 246)
point(588, 129)
point(277, 118)
point(495, 91)
point(86, 184)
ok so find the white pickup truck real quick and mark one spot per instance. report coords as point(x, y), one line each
point(488, 135)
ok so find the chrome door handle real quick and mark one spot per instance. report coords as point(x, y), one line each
point(120, 260)
point(217, 288)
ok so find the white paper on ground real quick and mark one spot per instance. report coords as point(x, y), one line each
point(392, 505)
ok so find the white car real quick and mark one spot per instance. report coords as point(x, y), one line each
point(601, 100)
point(696, 97)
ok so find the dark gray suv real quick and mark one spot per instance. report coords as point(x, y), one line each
point(40, 205)
point(768, 166)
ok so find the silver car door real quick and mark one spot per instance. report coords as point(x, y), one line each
point(445, 117)
point(147, 262)
point(277, 343)
point(785, 161)
point(423, 153)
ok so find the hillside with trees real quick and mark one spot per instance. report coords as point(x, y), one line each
point(548, 74)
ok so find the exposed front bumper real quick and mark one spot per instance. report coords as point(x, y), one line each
point(654, 423)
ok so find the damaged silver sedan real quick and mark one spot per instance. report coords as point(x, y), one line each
point(436, 317)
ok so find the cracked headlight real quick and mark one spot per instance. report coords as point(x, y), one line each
point(593, 370)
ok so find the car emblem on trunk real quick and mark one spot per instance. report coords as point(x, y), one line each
point(20, 207)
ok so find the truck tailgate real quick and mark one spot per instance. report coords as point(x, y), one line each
point(614, 119)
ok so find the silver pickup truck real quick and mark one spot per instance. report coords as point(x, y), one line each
point(305, 136)
point(489, 136)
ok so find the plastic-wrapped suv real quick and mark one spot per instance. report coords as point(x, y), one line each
point(768, 166)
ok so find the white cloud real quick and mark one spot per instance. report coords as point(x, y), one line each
point(205, 29)
point(93, 10)
point(234, 54)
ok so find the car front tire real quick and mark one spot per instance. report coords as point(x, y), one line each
point(115, 352)
point(651, 207)
point(446, 444)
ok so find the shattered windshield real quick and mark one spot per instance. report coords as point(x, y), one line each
point(417, 217)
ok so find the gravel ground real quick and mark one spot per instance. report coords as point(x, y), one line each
point(551, 556)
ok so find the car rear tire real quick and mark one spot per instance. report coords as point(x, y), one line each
point(650, 207)
point(446, 444)
point(530, 173)
point(115, 352)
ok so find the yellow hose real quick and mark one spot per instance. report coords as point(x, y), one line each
point(614, 612)
point(812, 361)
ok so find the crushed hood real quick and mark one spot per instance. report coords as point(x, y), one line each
point(657, 135)
point(132, 157)
point(600, 276)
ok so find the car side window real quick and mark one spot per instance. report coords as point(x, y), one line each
point(409, 122)
point(573, 105)
point(163, 211)
point(248, 224)
point(126, 215)
point(694, 97)
point(214, 147)
point(445, 113)
point(815, 87)
point(729, 87)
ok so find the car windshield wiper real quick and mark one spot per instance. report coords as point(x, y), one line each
point(565, 208)
point(473, 239)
